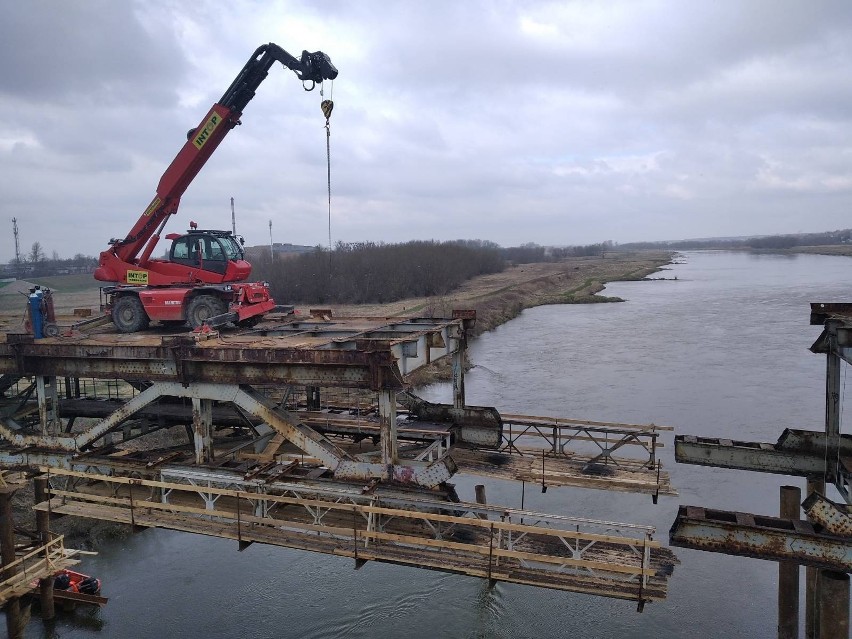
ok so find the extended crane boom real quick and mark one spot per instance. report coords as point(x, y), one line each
point(200, 257)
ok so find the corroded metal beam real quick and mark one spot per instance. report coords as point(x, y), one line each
point(798, 453)
point(352, 369)
point(78, 442)
point(772, 538)
point(833, 518)
point(372, 353)
point(480, 426)
point(836, 338)
point(287, 424)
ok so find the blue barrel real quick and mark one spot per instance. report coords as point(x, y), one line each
point(36, 315)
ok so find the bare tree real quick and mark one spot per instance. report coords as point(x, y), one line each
point(36, 253)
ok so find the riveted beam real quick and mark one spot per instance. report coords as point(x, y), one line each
point(761, 537)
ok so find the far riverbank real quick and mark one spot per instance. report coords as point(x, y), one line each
point(500, 297)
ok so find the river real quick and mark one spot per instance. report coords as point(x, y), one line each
point(722, 351)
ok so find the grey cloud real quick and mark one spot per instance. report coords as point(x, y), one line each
point(85, 51)
point(604, 120)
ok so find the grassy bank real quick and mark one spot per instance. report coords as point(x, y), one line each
point(834, 249)
point(499, 297)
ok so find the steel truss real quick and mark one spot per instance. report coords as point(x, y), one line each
point(390, 503)
point(342, 464)
point(562, 436)
point(565, 553)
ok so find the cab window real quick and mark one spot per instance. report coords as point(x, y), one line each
point(180, 248)
point(213, 249)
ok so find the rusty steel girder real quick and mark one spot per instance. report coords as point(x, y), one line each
point(834, 518)
point(797, 452)
point(343, 465)
point(376, 369)
point(371, 353)
point(479, 426)
point(761, 537)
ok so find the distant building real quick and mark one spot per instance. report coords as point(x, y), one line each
point(283, 250)
point(278, 247)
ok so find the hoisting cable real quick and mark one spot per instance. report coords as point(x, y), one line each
point(327, 106)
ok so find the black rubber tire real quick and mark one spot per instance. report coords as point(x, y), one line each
point(129, 315)
point(204, 307)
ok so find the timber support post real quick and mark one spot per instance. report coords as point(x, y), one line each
point(812, 590)
point(14, 616)
point(43, 529)
point(480, 497)
point(788, 572)
point(387, 422)
point(834, 605)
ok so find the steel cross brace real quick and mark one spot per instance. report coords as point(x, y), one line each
point(314, 444)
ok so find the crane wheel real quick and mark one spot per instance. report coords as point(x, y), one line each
point(129, 315)
point(203, 308)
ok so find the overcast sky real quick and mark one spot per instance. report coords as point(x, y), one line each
point(556, 123)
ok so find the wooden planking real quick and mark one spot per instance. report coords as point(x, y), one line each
point(563, 471)
point(434, 517)
point(33, 566)
point(345, 509)
point(549, 422)
point(443, 558)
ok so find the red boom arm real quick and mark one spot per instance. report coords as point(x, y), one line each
point(202, 142)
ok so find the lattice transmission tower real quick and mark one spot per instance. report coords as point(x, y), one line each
point(17, 247)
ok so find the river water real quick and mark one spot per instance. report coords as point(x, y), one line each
point(722, 351)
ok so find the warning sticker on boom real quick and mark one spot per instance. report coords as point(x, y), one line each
point(203, 133)
point(155, 203)
point(137, 277)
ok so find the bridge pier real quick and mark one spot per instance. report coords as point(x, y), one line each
point(15, 620)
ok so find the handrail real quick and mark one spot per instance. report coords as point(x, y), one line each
point(41, 550)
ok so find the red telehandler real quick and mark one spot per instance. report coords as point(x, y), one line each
point(202, 281)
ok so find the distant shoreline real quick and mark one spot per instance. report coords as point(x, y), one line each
point(497, 297)
point(831, 249)
point(500, 297)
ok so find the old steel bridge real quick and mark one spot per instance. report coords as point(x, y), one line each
point(304, 433)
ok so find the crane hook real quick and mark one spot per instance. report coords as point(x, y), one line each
point(327, 106)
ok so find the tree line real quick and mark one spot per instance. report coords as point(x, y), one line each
point(353, 273)
point(843, 236)
point(530, 252)
point(371, 272)
point(35, 263)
